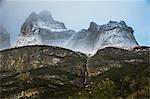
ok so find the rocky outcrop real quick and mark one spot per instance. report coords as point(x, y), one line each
point(4, 39)
point(53, 72)
point(113, 34)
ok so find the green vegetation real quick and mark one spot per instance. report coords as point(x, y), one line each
point(49, 72)
point(125, 82)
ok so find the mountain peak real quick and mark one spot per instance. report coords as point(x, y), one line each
point(33, 14)
point(93, 26)
point(43, 20)
point(113, 22)
point(45, 13)
point(112, 34)
point(122, 22)
point(45, 16)
point(43, 29)
point(109, 26)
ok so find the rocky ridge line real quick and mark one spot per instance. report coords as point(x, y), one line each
point(45, 69)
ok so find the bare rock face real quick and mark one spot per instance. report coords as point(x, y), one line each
point(96, 37)
point(4, 39)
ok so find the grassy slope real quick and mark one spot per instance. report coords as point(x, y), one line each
point(132, 80)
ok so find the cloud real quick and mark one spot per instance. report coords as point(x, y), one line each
point(78, 14)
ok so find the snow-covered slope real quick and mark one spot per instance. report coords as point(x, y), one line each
point(29, 40)
point(42, 29)
point(113, 34)
point(4, 39)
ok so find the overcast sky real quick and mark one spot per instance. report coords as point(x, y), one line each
point(77, 14)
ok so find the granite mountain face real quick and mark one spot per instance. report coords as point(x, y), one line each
point(4, 39)
point(42, 29)
point(96, 37)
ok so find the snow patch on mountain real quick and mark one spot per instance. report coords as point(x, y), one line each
point(29, 40)
point(51, 27)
